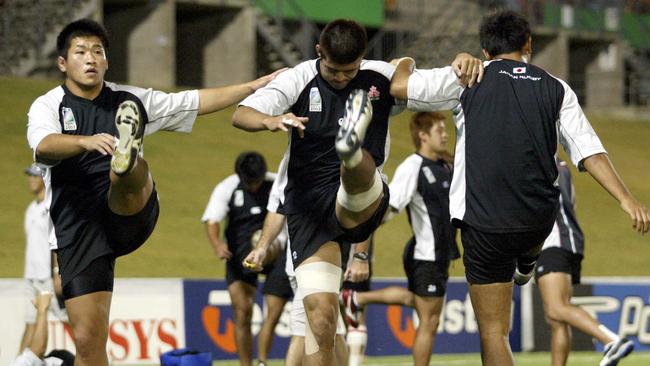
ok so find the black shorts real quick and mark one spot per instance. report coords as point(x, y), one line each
point(559, 260)
point(491, 257)
point(108, 234)
point(277, 281)
point(308, 231)
point(235, 271)
point(425, 278)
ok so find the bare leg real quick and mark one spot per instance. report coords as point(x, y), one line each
point(274, 306)
point(341, 349)
point(88, 316)
point(492, 305)
point(322, 311)
point(129, 193)
point(242, 296)
point(27, 336)
point(556, 290)
point(354, 181)
point(391, 295)
point(428, 310)
point(295, 352)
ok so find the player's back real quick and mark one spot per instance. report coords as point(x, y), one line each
point(510, 140)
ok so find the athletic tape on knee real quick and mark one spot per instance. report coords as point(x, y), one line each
point(318, 277)
point(360, 201)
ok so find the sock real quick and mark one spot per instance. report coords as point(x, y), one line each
point(609, 333)
point(354, 159)
point(357, 339)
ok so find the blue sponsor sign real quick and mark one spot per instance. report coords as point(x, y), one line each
point(391, 329)
point(624, 308)
point(210, 326)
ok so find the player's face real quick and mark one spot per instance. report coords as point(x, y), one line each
point(437, 138)
point(254, 186)
point(85, 64)
point(338, 75)
point(36, 184)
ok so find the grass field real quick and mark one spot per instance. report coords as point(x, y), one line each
point(523, 359)
point(186, 168)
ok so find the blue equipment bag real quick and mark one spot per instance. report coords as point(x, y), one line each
point(186, 357)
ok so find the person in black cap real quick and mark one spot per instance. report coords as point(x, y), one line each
point(40, 274)
point(242, 199)
point(34, 353)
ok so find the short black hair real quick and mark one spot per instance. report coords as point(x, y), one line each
point(250, 166)
point(343, 40)
point(80, 28)
point(503, 32)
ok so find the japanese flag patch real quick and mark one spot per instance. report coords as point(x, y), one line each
point(519, 70)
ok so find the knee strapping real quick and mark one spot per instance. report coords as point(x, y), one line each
point(318, 277)
point(360, 201)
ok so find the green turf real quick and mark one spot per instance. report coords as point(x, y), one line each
point(523, 359)
point(186, 168)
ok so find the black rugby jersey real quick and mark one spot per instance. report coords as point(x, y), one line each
point(566, 233)
point(507, 128)
point(422, 186)
point(313, 167)
point(77, 187)
point(245, 211)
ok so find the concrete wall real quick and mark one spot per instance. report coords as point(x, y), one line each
point(231, 56)
point(550, 52)
point(593, 67)
point(165, 43)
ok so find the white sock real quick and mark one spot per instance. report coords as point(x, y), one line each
point(357, 339)
point(354, 159)
point(609, 333)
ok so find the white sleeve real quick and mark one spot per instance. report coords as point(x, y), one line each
point(217, 208)
point(274, 197)
point(433, 89)
point(405, 182)
point(280, 94)
point(576, 134)
point(42, 120)
point(166, 111)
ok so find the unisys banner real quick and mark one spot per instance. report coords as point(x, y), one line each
point(146, 320)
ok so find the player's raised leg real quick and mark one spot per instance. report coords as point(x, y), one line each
point(361, 186)
point(131, 183)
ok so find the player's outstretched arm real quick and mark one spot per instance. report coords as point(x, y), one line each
point(216, 99)
point(468, 68)
point(57, 146)
point(602, 170)
point(399, 83)
point(249, 119)
point(273, 223)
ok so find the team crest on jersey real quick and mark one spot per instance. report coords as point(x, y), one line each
point(238, 201)
point(429, 175)
point(315, 102)
point(256, 210)
point(69, 123)
point(373, 93)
